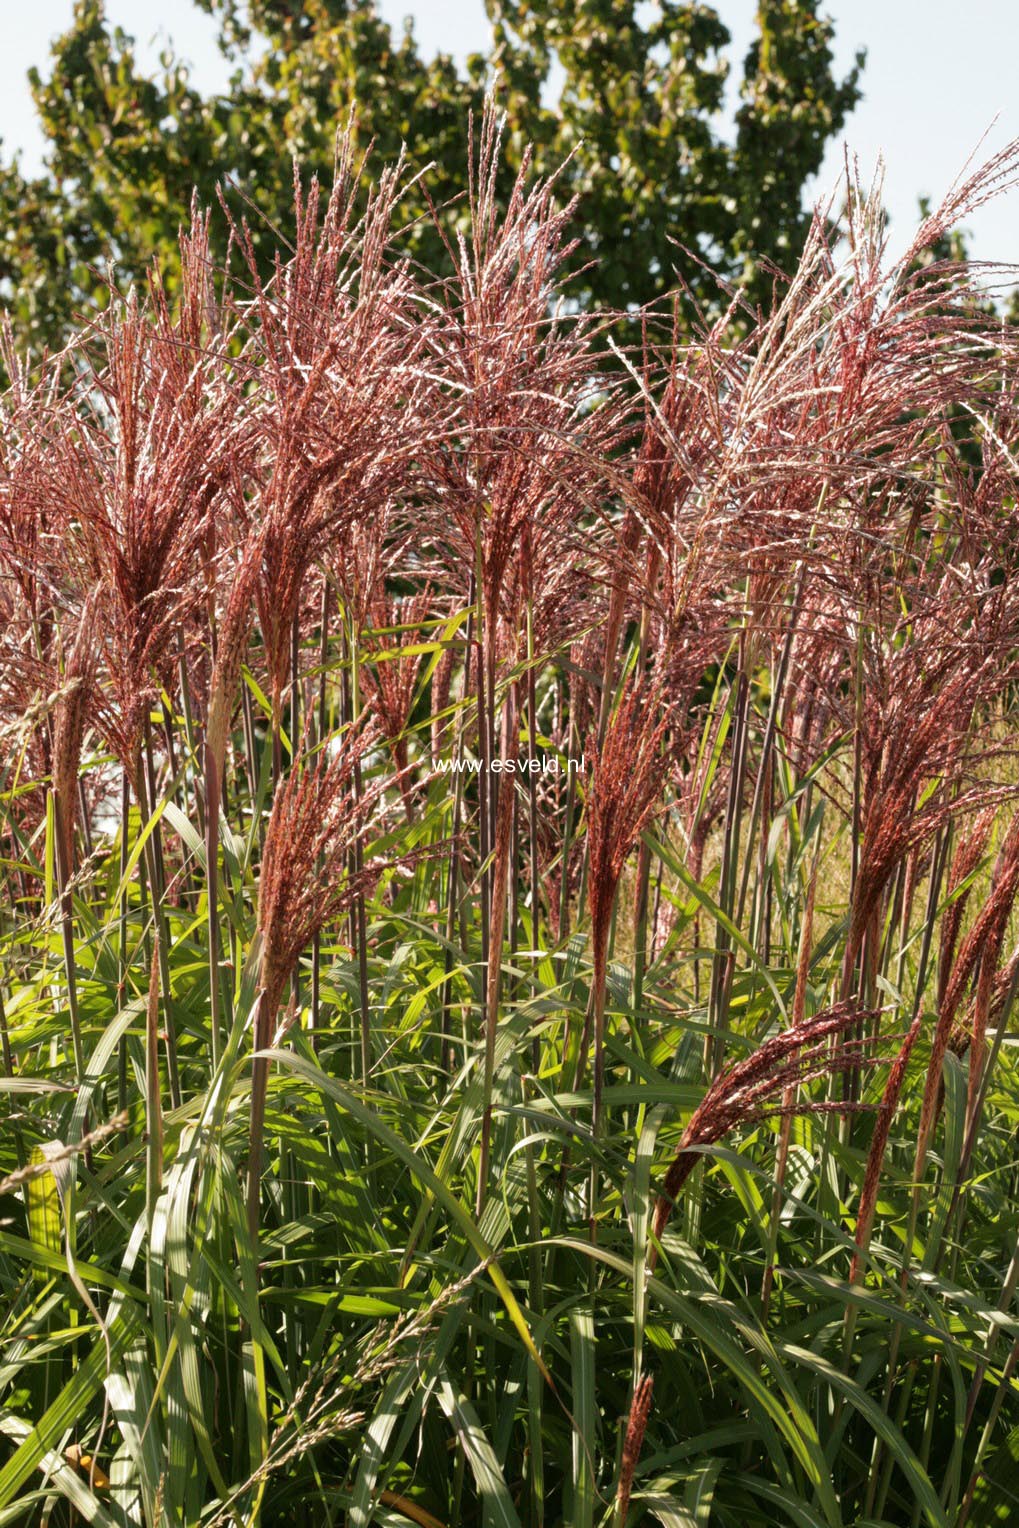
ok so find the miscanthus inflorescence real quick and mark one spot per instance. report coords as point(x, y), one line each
point(282, 543)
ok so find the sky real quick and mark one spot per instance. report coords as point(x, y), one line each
point(937, 76)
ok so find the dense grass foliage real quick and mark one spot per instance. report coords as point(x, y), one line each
point(509, 852)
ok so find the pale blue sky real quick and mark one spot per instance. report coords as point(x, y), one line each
point(937, 75)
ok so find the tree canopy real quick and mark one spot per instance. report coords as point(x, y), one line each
point(631, 100)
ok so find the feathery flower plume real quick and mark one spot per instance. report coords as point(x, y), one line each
point(133, 475)
point(640, 1410)
point(319, 816)
point(531, 424)
point(392, 679)
point(981, 945)
point(968, 856)
point(305, 881)
point(745, 1091)
point(740, 1094)
point(628, 770)
point(73, 712)
point(233, 633)
point(334, 340)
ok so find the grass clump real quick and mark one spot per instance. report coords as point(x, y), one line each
point(509, 857)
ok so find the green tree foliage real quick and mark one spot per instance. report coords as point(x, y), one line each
point(633, 97)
